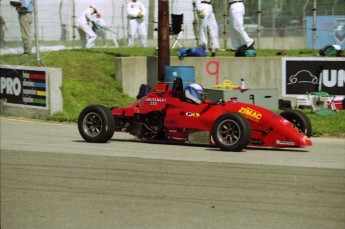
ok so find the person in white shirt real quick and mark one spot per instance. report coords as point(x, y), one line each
point(136, 12)
point(99, 27)
point(237, 32)
point(207, 20)
point(87, 35)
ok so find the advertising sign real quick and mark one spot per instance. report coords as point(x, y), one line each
point(24, 86)
point(302, 76)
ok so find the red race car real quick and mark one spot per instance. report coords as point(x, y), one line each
point(164, 113)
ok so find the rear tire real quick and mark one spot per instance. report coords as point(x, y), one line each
point(300, 120)
point(231, 132)
point(96, 124)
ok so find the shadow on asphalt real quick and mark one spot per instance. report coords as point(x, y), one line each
point(208, 147)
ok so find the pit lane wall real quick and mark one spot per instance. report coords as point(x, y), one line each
point(30, 92)
point(258, 72)
point(293, 77)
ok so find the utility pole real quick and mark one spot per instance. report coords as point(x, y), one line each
point(163, 38)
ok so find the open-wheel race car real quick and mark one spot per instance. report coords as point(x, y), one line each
point(175, 114)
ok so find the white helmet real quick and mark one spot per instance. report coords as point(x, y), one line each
point(195, 93)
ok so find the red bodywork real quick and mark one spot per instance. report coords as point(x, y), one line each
point(181, 118)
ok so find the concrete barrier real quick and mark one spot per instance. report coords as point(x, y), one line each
point(30, 92)
point(258, 72)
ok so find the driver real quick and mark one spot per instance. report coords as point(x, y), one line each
point(194, 93)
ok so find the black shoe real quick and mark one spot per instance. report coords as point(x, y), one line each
point(213, 54)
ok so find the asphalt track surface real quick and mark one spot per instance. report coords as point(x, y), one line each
point(51, 178)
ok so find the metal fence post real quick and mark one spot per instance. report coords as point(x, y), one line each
point(225, 15)
point(259, 22)
point(314, 24)
point(38, 54)
point(73, 23)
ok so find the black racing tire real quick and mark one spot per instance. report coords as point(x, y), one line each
point(231, 132)
point(96, 124)
point(299, 120)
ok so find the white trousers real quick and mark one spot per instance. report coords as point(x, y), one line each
point(208, 22)
point(238, 34)
point(137, 25)
point(87, 36)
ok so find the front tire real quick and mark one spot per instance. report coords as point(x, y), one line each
point(300, 120)
point(231, 132)
point(96, 124)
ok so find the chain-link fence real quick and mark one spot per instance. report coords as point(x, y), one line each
point(275, 24)
point(279, 21)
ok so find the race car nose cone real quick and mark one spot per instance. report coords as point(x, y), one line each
point(305, 141)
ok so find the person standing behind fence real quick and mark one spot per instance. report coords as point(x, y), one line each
point(99, 27)
point(136, 12)
point(207, 20)
point(87, 35)
point(2, 31)
point(238, 34)
point(24, 9)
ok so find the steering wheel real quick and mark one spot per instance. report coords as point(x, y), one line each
point(221, 101)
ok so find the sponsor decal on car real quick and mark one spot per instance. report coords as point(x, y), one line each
point(285, 142)
point(250, 114)
point(155, 101)
point(191, 114)
point(158, 100)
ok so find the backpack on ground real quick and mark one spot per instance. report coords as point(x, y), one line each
point(331, 50)
point(198, 51)
point(245, 51)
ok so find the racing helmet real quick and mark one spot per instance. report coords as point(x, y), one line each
point(194, 92)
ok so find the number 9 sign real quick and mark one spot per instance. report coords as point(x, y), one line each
point(212, 68)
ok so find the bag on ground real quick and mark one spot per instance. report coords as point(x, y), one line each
point(198, 51)
point(245, 51)
point(330, 50)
